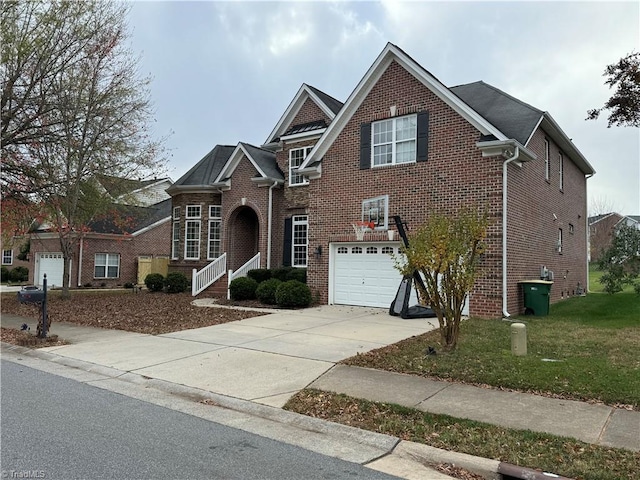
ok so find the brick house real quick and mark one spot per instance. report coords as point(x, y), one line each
point(402, 144)
point(110, 252)
point(602, 228)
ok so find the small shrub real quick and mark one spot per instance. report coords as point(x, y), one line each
point(299, 274)
point(128, 285)
point(259, 274)
point(5, 274)
point(154, 282)
point(293, 293)
point(266, 291)
point(176, 282)
point(88, 285)
point(243, 288)
point(19, 274)
point(281, 273)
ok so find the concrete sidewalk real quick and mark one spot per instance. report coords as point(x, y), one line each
point(265, 360)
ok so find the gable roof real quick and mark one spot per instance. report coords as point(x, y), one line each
point(131, 219)
point(389, 54)
point(204, 173)
point(329, 106)
point(513, 117)
point(495, 114)
point(264, 161)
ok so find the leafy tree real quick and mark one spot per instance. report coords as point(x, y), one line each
point(624, 105)
point(74, 110)
point(446, 252)
point(621, 261)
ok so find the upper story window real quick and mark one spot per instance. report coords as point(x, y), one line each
point(296, 157)
point(176, 213)
point(394, 140)
point(194, 211)
point(547, 161)
point(561, 170)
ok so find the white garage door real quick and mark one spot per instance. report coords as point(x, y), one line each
point(52, 264)
point(364, 274)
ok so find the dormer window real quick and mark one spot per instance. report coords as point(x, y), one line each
point(296, 157)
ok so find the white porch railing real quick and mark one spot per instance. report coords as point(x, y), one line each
point(252, 264)
point(209, 274)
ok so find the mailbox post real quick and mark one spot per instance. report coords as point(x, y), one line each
point(37, 296)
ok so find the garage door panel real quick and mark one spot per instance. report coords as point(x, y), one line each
point(51, 264)
point(368, 278)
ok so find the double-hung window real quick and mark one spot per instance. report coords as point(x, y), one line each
point(547, 161)
point(215, 229)
point(300, 242)
point(106, 265)
point(394, 141)
point(192, 232)
point(296, 157)
point(7, 257)
point(175, 233)
point(561, 170)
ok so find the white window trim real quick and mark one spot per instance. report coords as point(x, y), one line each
point(175, 241)
point(299, 220)
point(106, 265)
point(366, 217)
point(214, 219)
point(394, 142)
point(561, 170)
point(199, 207)
point(547, 161)
point(10, 262)
point(176, 213)
point(560, 241)
point(188, 241)
point(292, 169)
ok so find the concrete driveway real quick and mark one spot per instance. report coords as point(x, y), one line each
point(264, 359)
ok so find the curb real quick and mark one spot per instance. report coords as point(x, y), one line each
point(387, 445)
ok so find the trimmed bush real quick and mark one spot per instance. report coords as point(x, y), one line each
point(299, 274)
point(281, 273)
point(176, 282)
point(19, 274)
point(5, 274)
point(154, 282)
point(259, 274)
point(243, 288)
point(266, 291)
point(293, 293)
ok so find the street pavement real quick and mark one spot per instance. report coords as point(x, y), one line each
point(260, 362)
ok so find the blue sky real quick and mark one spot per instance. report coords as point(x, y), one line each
point(225, 72)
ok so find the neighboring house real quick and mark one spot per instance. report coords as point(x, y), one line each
point(11, 250)
point(602, 229)
point(402, 144)
point(110, 252)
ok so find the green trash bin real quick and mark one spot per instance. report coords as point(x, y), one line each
point(536, 297)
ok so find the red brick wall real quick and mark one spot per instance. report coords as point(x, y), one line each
point(533, 228)
point(455, 175)
point(601, 235)
point(152, 243)
point(309, 112)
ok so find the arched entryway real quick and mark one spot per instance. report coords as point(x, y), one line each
point(243, 237)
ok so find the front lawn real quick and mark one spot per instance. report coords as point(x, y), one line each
point(586, 349)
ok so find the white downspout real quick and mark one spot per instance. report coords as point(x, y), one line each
point(269, 222)
point(505, 313)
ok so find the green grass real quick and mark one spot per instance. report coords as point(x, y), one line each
point(594, 280)
point(593, 342)
point(560, 455)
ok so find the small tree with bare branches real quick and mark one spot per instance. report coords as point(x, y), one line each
point(446, 252)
